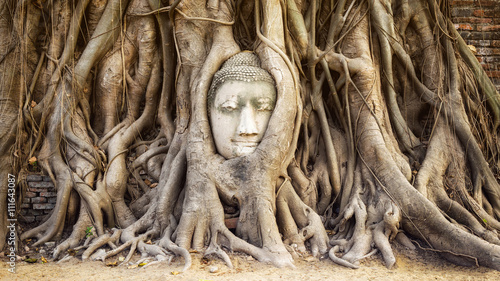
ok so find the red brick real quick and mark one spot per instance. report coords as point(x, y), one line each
point(479, 35)
point(43, 206)
point(484, 3)
point(34, 178)
point(36, 212)
point(462, 3)
point(486, 28)
point(485, 13)
point(39, 200)
point(231, 223)
point(29, 194)
point(27, 218)
point(479, 43)
point(493, 74)
point(472, 20)
point(39, 218)
point(462, 12)
point(464, 26)
point(41, 184)
point(487, 51)
point(48, 194)
point(489, 66)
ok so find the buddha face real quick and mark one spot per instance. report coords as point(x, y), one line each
point(239, 116)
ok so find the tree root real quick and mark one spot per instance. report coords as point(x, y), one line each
point(301, 222)
point(101, 241)
point(332, 254)
point(77, 234)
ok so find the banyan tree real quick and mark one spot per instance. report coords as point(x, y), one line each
point(163, 120)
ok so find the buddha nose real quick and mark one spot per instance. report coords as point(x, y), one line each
point(247, 126)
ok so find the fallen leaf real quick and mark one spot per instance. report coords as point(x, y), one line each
point(72, 252)
point(142, 264)
point(33, 103)
point(30, 260)
point(32, 160)
point(43, 259)
point(193, 251)
point(154, 185)
point(148, 182)
point(115, 263)
point(472, 48)
point(149, 242)
point(175, 272)
point(121, 258)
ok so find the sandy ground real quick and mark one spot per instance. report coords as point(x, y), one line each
point(410, 265)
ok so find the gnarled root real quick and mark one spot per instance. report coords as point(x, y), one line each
point(298, 222)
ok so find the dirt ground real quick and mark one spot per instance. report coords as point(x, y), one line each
point(411, 265)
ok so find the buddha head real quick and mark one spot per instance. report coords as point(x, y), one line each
point(241, 100)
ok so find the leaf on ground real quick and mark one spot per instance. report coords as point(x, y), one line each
point(30, 260)
point(115, 263)
point(72, 252)
point(33, 103)
point(149, 242)
point(142, 264)
point(147, 182)
point(154, 185)
point(175, 272)
point(121, 259)
point(43, 259)
point(193, 251)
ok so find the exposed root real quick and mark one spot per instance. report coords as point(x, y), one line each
point(101, 241)
point(167, 243)
point(77, 234)
point(332, 254)
point(301, 223)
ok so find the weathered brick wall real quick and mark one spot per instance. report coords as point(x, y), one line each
point(39, 199)
point(478, 21)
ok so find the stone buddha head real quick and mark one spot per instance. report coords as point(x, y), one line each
point(241, 100)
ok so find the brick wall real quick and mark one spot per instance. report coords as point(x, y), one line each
point(478, 21)
point(39, 199)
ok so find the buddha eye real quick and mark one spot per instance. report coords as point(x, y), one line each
point(265, 106)
point(229, 106)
